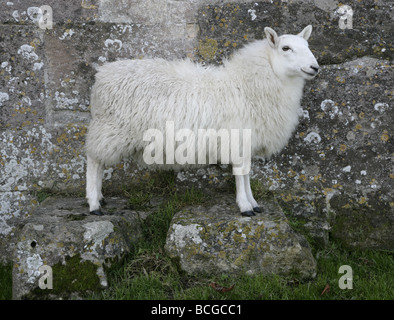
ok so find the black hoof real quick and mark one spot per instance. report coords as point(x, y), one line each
point(102, 202)
point(248, 213)
point(257, 209)
point(97, 213)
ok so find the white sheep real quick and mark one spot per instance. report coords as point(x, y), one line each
point(259, 88)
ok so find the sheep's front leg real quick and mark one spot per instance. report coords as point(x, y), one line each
point(242, 200)
point(94, 178)
point(249, 195)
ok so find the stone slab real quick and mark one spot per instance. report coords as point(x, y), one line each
point(77, 246)
point(216, 239)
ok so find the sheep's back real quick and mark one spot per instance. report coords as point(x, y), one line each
point(140, 93)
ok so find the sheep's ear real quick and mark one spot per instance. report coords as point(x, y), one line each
point(272, 37)
point(306, 33)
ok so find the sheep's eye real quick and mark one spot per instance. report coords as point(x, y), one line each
point(286, 48)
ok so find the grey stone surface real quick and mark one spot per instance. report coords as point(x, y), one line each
point(215, 239)
point(224, 27)
point(61, 234)
point(27, 12)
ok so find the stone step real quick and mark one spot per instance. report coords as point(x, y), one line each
point(212, 239)
point(208, 238)
point(61, 234)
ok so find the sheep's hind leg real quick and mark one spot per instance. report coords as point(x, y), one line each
point(249, 195)
point(94, 177)
point(242, 200)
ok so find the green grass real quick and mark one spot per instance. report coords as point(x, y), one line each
point(149, 274)
point(5, 282)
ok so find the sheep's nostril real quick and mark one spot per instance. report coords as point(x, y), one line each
point(315, 68)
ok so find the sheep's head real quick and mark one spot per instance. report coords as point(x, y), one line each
point(291, 56)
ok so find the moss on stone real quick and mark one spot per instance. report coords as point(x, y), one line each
point(358, 226)
point(74, 278)
point(5, 282)
point(208, 48)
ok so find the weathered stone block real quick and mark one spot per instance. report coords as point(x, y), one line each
point(28, 12)
point(77, 246)
point(22, 89)
point(228, 26)
point(28, 164)
point(215, 239)
point(143, 12)
point(366, 224)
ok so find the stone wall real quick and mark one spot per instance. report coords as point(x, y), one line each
point(336, 172)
